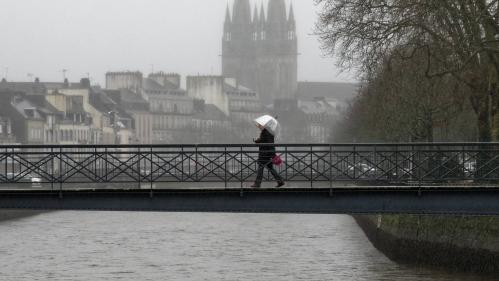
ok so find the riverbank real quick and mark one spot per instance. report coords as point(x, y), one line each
point(6, 215)
point(455, 243)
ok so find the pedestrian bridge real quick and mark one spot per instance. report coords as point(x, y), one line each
point(437, 178)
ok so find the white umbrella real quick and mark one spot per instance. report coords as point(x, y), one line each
point(269, 123)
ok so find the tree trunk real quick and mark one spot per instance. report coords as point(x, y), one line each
point(484, 135)
point(484, 125)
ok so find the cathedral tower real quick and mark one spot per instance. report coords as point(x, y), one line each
point(261, 52)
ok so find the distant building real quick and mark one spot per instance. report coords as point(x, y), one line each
point(29, 88)
point(210, 124)
point(135, 105)
point(171, 108)
point(116, 123)
point(321, 114)
point(211, 89)
point(28, 124)
point(169, 81)
point(241, 104)
point(81, 122)
point(6, 134)
point(261, 53)
point(244, 107)
point(124, 80)
point(294, 122)
point(343, 92)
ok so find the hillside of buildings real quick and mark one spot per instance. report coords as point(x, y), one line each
point(155, 109)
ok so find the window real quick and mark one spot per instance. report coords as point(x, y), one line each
point(228, 36)
point(263, 35)
point(1, 128)
point(255, 36)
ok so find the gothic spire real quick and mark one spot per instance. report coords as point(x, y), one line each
point(241, 12)
point(255, 15)
point(291, 17)
point(227, 14)
point(262, 14)
point(277, 11)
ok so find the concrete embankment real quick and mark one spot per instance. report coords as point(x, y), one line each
point(457, 243)
point(17, 214)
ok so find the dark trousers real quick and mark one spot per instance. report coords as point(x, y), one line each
point(262, 163)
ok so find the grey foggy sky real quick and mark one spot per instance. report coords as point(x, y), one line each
point(95, 36)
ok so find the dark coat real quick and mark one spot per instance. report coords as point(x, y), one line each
point(266, 152)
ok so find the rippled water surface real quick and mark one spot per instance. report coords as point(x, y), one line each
point(185, 246)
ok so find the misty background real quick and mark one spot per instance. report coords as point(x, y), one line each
point(41, 38)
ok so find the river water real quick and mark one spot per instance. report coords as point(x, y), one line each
point(187, 246)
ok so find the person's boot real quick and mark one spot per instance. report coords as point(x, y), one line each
point(280, 184)
point(255, 185)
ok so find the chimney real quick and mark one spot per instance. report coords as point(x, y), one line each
point(85, 83)
point(174, 79)
point(66, 83)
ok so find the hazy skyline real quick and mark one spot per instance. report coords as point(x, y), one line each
point(95, 36)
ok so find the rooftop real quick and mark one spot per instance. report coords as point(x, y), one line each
point(25, 87)
point(26, 108)
point(211, 112)
point(150, 85)
point(103, 103)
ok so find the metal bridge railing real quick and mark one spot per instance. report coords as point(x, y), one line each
point(364, 164)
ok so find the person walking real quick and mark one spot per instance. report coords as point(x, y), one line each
point(268, 129)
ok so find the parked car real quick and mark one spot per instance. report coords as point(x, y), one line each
point(363, 170)
point(34, 180)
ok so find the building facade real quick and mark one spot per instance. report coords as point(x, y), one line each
point(6, 135)
point(261, 52)
point(171, 108)
point(28, 124)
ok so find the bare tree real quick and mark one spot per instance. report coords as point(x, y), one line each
point(458, 37)
point(399, 103)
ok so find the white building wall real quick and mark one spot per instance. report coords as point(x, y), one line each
point(124, 80)
point(210, 89)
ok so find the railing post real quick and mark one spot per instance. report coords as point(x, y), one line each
point(151, 194)
point(105, 164)
point(53, 168)
point(60, 172)
point(397, 163)
point(6, 166)
point(139, 167)
point(311, 167)
point(376, 166)
point(196, 164)
point(182, 159)
point(331, 168)
point(96, 171)
point(463, 155)
point(13, 168)
point(418, 151)
point(225, 165)
point(354, 162)
point(286, 163)
point(241, 167)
